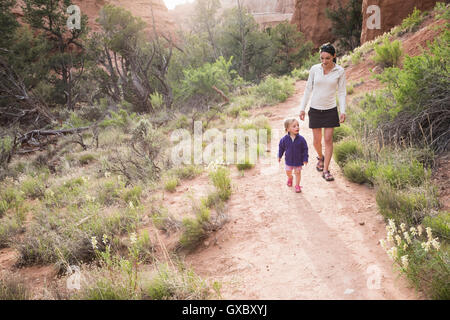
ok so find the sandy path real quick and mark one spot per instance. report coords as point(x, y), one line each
point(319, 244)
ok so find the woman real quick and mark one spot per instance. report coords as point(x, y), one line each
point(324, 78)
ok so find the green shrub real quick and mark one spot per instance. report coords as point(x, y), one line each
point(273, 90)
point(234, 111)
point(132, 195)
point(244, 114)
point(13, 289)
point(247, 101)
point(389, 53)
point(440, 224)
point(403, 174)
point(187, 172)
point(10, 198)
point(213, 200)
point(413, 21)
point(33, 187)
point(417, 110)
point(109, 192)
point(356, 57)
point(182, 123)
point(429, 271)
point(421, 257)
point(408, 205)
point(341, 132)
point(198, 83)
point(350, 88)
point(64, 237)
point(157, 101)
point(9, 227)
point(300, 74)
point(355, 171)
point(86, 159)
point(69, 192)
point(170, 284)
point(6, 146)
point(193, 233)
point(346, 150)
point(144, 247)
point(108, 289)
point(442, 11)
point(246, 165)
point(221, 180)
point(171, 184)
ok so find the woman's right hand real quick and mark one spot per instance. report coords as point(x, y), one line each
point(302, 115)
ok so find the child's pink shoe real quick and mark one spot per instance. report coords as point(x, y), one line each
point(289, 182)
point(298, 189)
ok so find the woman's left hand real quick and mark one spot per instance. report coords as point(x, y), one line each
point(342, 118)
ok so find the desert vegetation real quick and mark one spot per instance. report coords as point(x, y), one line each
point(395, 136)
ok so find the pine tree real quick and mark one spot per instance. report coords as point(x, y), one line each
point(67, 56)
point(347, 23)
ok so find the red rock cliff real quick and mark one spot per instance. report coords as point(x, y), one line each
point(311, 20)
point(392, 13)
point(142, 8)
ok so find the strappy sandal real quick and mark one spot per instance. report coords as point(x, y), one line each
point(327, 176)
point(318, 166)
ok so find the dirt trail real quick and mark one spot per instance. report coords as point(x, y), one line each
point(319, 244)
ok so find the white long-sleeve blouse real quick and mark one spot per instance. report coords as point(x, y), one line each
point(322, 88)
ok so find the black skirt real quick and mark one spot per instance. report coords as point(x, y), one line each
point(323, 118)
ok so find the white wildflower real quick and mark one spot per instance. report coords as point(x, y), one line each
point(398, 239)
point(407, 237)
point(133, 238)
point(392, 253)
point(383, 244)
point(390, 236)
point(429, 233)
point(392, 225)
point(94, 243)
point(426, 246)
point(130, 204)
point(404, 260)
point(105, 239)
point(107, 174)
point(413, 231)
point(403, 227)
point(405, 246)
point(435, 243)
point(419, 229)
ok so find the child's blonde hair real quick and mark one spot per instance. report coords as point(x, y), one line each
point(288, 122)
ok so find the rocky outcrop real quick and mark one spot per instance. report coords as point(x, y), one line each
point(392, 13)
point(143, 9)
point(285, 6)
point(311, 20)
point(266, 12)
point(263, 6)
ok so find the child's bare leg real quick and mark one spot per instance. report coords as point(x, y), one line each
point(298, 177)
point(289, 174)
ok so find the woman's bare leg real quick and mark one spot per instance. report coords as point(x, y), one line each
point(328, 147)
point(317, 141)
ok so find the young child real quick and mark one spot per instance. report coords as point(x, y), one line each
point(296, 149)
